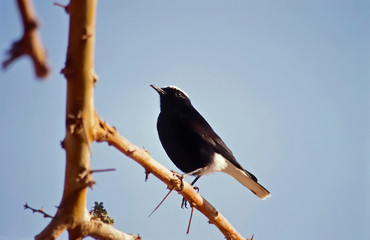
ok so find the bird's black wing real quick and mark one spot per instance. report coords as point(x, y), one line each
point(193, 121)
point(205, 131)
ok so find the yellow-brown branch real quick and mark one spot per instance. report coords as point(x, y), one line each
point(72, 214)
point(30, 44)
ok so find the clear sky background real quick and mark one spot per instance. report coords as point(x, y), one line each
point(284, 83)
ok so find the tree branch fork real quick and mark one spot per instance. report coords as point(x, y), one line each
point(83, 125)
point(88, 226)
point(30, 43)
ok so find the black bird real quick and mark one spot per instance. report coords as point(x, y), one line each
point(191, 143)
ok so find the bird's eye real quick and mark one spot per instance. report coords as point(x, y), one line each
point(179, 94)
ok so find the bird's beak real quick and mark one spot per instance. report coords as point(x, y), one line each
point(158, 89)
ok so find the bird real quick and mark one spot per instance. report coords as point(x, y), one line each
point(191, 143)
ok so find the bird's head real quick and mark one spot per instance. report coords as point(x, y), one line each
point(172, 97)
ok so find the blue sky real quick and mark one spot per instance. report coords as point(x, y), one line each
point(284, 83)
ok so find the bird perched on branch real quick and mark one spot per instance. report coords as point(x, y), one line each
point(191, 143)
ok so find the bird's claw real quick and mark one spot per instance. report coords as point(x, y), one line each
point(184, 203)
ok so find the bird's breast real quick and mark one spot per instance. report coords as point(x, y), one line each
point(185, 148)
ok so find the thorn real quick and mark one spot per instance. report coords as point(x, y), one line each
point(161, 202)
point(112, 132)
point(90, 184)
point(94, 77)
point(67, 71)
point(130, 152)
point(146, 150)
point(191, 217)
point(103, 170)
point(66, 7)
point(252, 236)
point(215, 212)
point(147, 174)
point(63, 71)
point(59, 5)
point(62, 144)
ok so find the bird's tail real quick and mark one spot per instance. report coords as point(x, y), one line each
point(247, 179)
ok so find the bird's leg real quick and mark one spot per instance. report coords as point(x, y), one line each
point(195, 172)
point(184, 202)
point(182, 176)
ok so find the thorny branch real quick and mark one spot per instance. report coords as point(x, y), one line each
point(72, 214)
point(106, 133)
point(40, 210)
point(30, 43)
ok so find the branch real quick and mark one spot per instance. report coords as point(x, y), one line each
point(106, 133)
point(91, 227)
point(55, 228)
point(99, 230)
point(72, 214)
point(30, 44)
point(40, 210)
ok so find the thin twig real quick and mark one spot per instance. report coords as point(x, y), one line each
point(40, 210)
